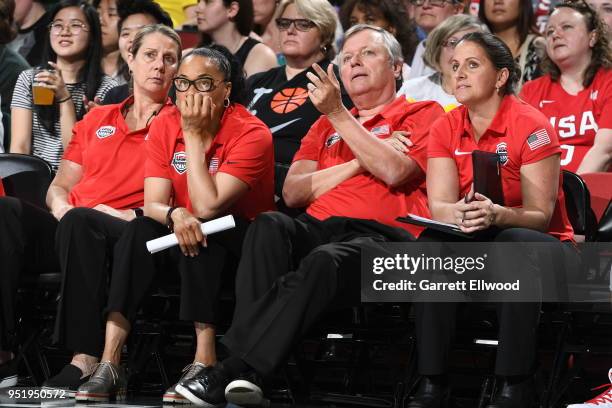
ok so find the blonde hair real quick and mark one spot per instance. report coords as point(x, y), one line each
point(322, 14)
point(450, 26)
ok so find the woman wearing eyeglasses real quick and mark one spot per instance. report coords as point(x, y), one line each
point(440, 86)
point(206, 158)
point(74, 50)
point(576, 92)
point(229, 23)
point(428, 14)
point(279, 97)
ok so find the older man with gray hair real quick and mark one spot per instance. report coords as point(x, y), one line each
point(354, 179)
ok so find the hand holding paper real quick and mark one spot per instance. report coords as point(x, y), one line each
point(208, 228)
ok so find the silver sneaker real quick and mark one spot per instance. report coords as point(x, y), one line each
point(107, 382)
point(190, 371)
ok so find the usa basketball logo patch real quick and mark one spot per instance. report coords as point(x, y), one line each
point(332, 140)
point(105, 131)
point(502, 152)
point(179, 162)
point(288, 100)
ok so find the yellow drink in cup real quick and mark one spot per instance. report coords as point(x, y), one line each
point(42, 95)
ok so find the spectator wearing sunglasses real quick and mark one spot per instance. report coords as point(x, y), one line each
point(279, 97)
point(428, 14)
point(439, 51)
point(514, 22)
point(229, 23)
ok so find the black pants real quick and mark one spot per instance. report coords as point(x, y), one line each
point(27, 234)
point(291, 271)
point(518, 322)
point(84, 243)
point(136, 271)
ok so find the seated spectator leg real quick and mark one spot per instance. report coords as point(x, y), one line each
point(26, 246)
point(263, 335)
point(274, 245)
point(85, 241)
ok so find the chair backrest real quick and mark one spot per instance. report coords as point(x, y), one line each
point(600, 187)
point(578, 205)
point(25, 177)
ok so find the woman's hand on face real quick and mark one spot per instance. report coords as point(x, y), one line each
point(188, 232)
point(479, 214)
point(324, 90)
point(196, 113)
point(55, 81)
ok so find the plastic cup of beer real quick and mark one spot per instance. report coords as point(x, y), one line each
point(42, 95)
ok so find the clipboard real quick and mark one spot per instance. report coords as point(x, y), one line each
point(435, 225)
point(487, 175)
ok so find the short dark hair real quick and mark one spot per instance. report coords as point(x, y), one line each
point(601, 56)
point(244, 19)
point(394, 12)
point(126, 8)
point(526, 23)
point(500, 56)
point(7, 29)
point(227, 64)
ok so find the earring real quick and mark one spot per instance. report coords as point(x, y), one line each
point(497, 89)
point(324, 49)
point(226, 102)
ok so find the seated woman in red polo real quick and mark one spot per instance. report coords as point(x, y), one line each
point(491, 119)
point(576, 93)
point(206, 158)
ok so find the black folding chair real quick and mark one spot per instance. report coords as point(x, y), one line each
point(25, 177)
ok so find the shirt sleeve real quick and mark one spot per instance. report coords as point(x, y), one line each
point(539, 143)
point(22, 93)
point(440, 135)
point(1, 189)
point(605, 116)
point(251, 155)
point(157, 163)
point(311, 143)
point(420, 135)
point(106, 85)
point(75, 150)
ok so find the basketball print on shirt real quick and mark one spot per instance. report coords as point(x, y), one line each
point(288, 99)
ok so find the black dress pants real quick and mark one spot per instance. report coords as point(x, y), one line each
point(136, 271)
point(27, 234)
point(518, 322)
point(85, 242)
point(291, 271)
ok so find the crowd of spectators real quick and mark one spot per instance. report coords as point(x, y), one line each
point(343, 116)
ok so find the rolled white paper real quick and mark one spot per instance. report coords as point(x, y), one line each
point(208, 228)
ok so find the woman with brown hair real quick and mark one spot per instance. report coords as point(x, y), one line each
point(576, 92)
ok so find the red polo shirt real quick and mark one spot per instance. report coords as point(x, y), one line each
point(242, 147)
point(112, 158)
point(576, 118)
point(520, 134)
point(364, 196)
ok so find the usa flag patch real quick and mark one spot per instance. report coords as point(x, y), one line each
point(537, 139)
point(214, 165)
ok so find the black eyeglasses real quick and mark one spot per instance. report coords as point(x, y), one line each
point(435, 3)
point(301, 24)
point(205, 84)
